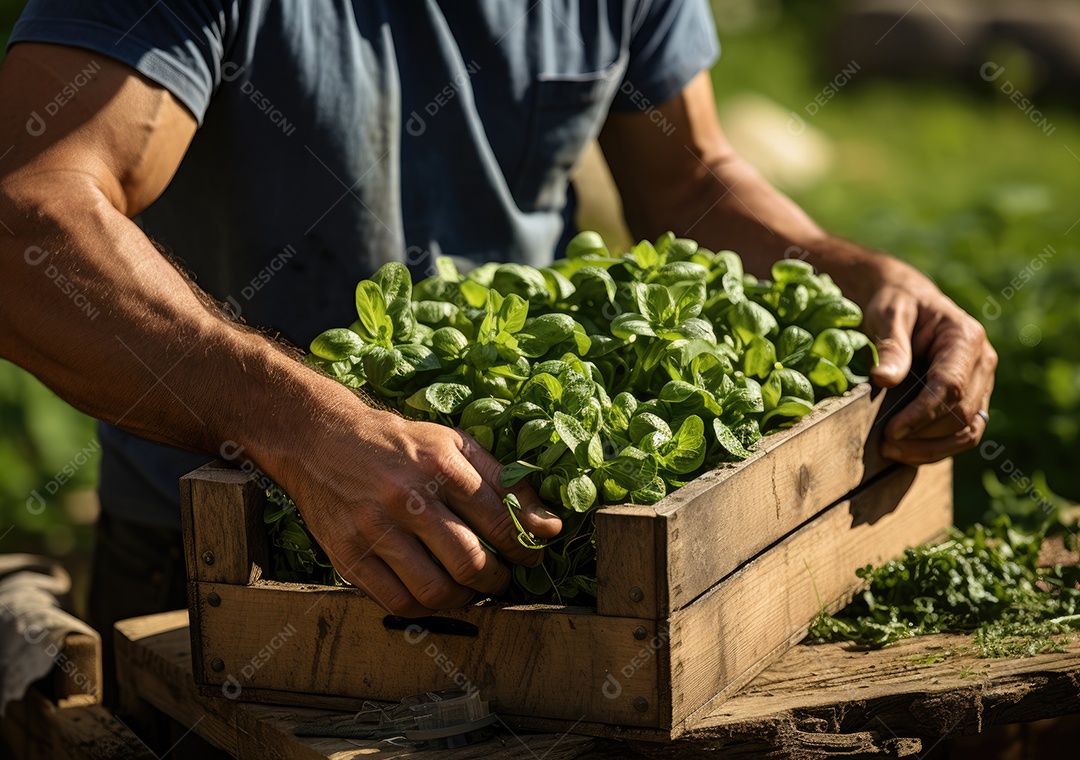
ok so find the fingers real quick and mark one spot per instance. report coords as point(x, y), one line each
point(404, 579)
point(955, 352)
point(375, 578)
point(966, 412)
point(916, 451)
point(890, 321)
point(399, 573)
point(532, 515)
point(462, 555)
point(944, 418)
point(432, 557)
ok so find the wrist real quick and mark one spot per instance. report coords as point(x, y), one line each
point(293, 412)
point(861, 273)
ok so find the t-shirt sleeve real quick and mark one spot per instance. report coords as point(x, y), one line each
point(179, 45)
point(671, 41)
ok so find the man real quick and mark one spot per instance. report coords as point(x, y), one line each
point(284, 150)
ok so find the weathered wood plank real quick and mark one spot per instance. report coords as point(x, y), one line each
point(37, 728)
point(154, 659)
point(221, 511)
point(732, 633)
point(631, 556)
point(743, 508)
point(923, 689)
point(319, 641)
point(838, 683)
point(77, 671)
point(813, 701)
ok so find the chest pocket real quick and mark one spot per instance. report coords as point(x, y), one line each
point(567, 112)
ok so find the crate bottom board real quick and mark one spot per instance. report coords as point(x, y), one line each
point(532, 659)
point(560, 668)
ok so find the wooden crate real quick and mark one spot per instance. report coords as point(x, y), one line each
point(697, 594)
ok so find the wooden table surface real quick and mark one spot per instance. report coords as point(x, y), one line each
point(815, 701)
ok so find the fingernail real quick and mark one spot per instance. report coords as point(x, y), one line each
point(544, 514)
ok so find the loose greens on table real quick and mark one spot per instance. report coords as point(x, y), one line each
point(986, 581)
point(602, 379)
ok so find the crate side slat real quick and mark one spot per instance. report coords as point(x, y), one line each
point(554, 662)
point(725, 638)
point(191, 567)
point(720, 520)
point(741, 508)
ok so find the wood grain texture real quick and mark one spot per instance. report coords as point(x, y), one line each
point(313, 640)
point(77, 671)
point(221, 511)
point(814, 702)
point(155, 663)
point(817, 691)
point(793, 475)
point(631, 556)
point(732, 633)
point(37, 728)
point(225, 541)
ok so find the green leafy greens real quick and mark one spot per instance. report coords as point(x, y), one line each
point(602, 379)
point(986, 581)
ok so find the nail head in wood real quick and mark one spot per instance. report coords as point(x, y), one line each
point(636, 594)
point(640, 632)
point(641, 704)
point(217, 665)
point(213, 599)
point(208, 558)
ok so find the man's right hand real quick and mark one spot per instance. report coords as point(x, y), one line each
point(383, 495)
point(400, 508)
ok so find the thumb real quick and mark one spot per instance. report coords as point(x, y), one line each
point(890, 323)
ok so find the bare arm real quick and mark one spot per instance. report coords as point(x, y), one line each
point(693, 182)
point(150, 355)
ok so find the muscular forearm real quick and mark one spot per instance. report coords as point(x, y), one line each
point(90, 307)
point(140, 348)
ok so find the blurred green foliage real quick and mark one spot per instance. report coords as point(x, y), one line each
point(48, 455)
point(960, 183)
point(956, 179)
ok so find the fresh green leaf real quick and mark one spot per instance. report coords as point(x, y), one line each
point(337, 344)
point(580, 494)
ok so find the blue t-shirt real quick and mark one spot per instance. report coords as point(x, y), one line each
point(337, 135)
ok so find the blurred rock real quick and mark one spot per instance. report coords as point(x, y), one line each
point(954, 38)
point(898, 38)
point(1048, 32)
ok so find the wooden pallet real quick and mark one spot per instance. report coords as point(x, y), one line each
point(697, 594)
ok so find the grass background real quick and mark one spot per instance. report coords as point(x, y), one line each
point(947, 174)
